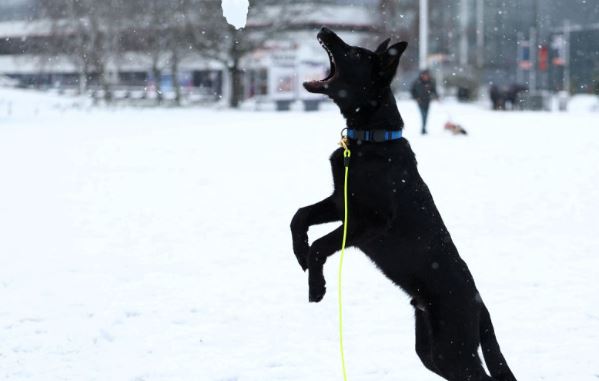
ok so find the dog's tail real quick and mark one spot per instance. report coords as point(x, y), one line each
point(490, 347)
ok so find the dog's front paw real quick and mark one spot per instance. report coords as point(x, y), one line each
point(317, 288)
point(316, 294)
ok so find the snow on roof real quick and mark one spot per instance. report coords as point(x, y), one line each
point(340, 16)
point(11, 29)
point(330, 15)
point(26, 64)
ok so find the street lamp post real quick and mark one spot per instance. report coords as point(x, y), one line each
point(532, 73)
point(423, 41)
point(480, 34)
point(463, 34)
point(567, 31)
point(534, 48)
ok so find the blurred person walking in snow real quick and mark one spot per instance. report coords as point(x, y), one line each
point(424, 90)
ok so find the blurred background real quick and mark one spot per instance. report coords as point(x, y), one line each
point(145, 204)
point(182, 52)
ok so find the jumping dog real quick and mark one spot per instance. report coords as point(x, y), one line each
point(393, 218)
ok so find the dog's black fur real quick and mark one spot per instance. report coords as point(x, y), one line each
point(394, 221)
point(501, 96)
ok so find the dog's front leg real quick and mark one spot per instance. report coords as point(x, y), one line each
point(320, 250)
point(319, 213)
point(328, 245)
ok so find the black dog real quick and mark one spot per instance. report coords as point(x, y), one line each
point(394, 220)
point(502, 96)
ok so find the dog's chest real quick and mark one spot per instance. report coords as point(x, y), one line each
point(373, 180)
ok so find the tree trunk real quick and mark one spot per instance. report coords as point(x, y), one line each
point(157, 73)
point(105, 83)
point(175, 76)
point(235, 76)
point(83, 79)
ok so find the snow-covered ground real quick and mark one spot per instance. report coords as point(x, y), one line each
point(154, 244)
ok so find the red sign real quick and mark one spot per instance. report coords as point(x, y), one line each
point(543, 58)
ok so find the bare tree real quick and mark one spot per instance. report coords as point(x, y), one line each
point(213, 37)
point(398, 21)
point(157, 29)
point(150, 19)
point(87, 32)
point(66, 38)
point(95, 34)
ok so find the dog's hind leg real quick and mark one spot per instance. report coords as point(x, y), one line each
point(319, 213)
point(424, 347)
point(457, 362)
point(455, 345)
point(490, 347)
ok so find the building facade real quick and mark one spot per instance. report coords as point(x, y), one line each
point(543, 44)
point(274, 71)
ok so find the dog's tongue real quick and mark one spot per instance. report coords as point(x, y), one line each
point(313, 86)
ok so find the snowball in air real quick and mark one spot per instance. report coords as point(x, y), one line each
point(236, 12)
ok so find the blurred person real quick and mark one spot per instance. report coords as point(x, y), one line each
point(424, 90)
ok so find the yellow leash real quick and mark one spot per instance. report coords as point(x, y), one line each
point(346, 156)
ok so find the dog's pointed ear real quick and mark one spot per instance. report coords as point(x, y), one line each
point(382, 47)
point(389, 59)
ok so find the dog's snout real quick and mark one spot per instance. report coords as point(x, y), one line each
point(326, 33)
point(329, 37)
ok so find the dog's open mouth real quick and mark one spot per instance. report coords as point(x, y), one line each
point(316, 86)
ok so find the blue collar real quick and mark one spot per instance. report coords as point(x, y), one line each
point(373, 135)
